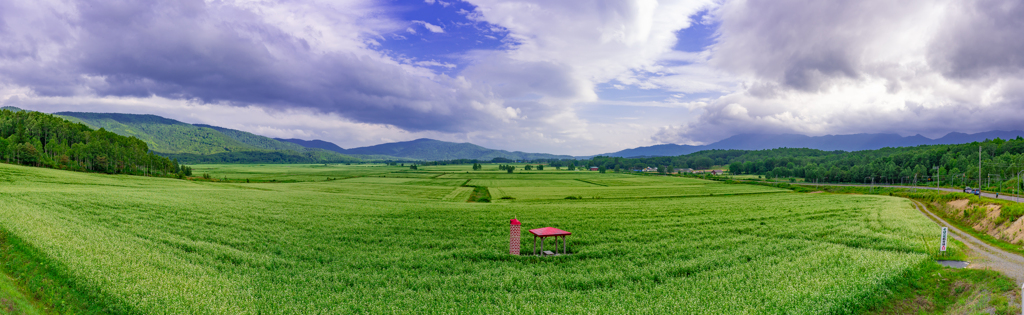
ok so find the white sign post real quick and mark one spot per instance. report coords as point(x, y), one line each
point(942, 243)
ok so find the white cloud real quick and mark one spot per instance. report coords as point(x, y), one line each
point(597, 40)
point(435, 63)
point(431, 27)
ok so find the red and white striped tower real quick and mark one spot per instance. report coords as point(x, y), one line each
point(513, 239)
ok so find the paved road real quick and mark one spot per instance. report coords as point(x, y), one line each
point(983, 194)
point(1009, 264)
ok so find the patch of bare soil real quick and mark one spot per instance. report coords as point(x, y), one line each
point(959, 204)
point(1016, 231)
point(988, 223)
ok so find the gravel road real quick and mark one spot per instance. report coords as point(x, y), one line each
point(1009, 264)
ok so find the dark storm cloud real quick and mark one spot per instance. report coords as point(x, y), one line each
point(985, 37)
point(802, 44)
point(512, 78)
point(865, 66)
point(722, 121)
point(221, 53)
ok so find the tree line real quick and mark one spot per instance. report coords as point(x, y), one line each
point(44, 140)
point(957, 164)
point(252, 157)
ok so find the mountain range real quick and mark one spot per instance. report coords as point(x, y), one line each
point(852, 142)
point(198, 143)
point(435, 150)
point(204, 143)
point(428, 149)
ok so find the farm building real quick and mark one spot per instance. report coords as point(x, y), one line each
point(650, 169)
point(593, 168)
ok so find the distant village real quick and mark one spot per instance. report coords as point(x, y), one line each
point(675, 171)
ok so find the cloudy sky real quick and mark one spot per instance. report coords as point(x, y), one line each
point(569, 77)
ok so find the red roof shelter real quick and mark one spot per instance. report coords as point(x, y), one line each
point(548, 232)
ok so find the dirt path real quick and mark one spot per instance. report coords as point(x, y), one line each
point(1009, 264)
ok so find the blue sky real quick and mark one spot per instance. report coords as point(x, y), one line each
point(458, 34)
point(577, 77)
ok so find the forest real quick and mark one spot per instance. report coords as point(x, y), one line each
point(956, 164)
point(39, 139)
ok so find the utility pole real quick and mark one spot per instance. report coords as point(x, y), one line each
point(1019, 178)
point(979, 167)
point(914, 186)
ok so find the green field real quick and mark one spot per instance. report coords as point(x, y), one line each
point(379, 239)
point(292, 172)
point(527, 193)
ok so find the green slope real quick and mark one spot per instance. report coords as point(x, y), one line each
point(161, 134)
point(261, 142)
point(279, 145)
point(211, 144)
point(203, 143)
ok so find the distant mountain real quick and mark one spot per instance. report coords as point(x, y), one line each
point(319, 144)
point(655, 150)
point(435, 150)
point(956, 137)
point(211, 144)
point(203, 143)
point(854, 142)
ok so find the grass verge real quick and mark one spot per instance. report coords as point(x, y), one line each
point(480, 194)
point(13, 299)
point(935, 289)
point(43, 285)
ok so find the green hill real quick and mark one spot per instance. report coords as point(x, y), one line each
point(211, 144)
point(434, 150)
point(203, 143)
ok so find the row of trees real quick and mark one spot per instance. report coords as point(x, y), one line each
point(38, 139)
point(979, 163)
point(958, 164)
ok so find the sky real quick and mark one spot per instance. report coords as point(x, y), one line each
point(577, 77)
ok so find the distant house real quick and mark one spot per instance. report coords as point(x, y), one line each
point(593, 168)
point(684, 170)
point(712, 172)
point(650, 169)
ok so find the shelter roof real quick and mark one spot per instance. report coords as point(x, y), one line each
point(549, 231)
